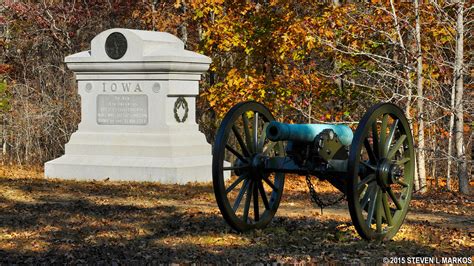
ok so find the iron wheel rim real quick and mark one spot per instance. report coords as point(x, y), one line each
point(379, 195)
point(246, 174)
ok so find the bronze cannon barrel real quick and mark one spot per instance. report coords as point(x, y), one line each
point(277, 131)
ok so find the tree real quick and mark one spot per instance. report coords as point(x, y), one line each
point(307, 60)
point(44, 105)
point(459, 127)
point(419, 87)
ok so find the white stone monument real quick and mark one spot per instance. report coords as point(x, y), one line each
point(138, 91)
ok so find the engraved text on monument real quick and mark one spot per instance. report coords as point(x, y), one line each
point(122, 109)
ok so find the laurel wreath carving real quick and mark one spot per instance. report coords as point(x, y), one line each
point(181, 103)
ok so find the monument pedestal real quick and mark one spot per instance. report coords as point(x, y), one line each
point(138, 94)
point(178, 158)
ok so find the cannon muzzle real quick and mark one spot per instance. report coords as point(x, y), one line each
point(277, 131)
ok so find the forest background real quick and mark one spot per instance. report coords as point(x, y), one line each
point(308, 61)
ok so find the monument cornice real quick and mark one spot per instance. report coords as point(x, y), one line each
point(148, 66)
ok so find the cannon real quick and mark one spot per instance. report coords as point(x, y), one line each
point(373, 166)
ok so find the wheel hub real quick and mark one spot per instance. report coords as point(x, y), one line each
point(257, 163)
point(238, 163)
point(387, 173)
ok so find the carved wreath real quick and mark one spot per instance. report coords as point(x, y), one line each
point(181, 104)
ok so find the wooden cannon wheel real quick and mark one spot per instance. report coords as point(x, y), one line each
point(237, 170)
point(381, 171)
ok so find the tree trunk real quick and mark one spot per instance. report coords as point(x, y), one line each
point(4, 138)
point(432, 157)
point(184, 25)
point(402, 45)
point(409, 84)
point(419, 87)
point(433, 164)
point(153, 13)
point(450, 137)
point(459, 126)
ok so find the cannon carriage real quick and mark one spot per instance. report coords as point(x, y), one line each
point(373, 166)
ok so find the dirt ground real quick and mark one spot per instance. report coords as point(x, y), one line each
point(54, 221)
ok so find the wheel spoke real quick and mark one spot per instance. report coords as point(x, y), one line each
point(370, 151)
point(264, 195)
point(378, 212)
point(268, 148)
point(383, 135)
point(403, 184)
point(375, 140)
point(269, 183)
point(236, 153)
point(367, 195)
point(248, 199)
point(366, 180)
point(262, 138)
point(241, 141)
point(394, 199)
point(380, 168)
point(248, 137)
point(372, 205)
point(255, 132)
point(395, 147)
point(373, 168)
point(241, 194)
point(255, 202)
point(391, 135)
point(403, 161)
point(386, 207)
point(236, 182)
point(362, 189)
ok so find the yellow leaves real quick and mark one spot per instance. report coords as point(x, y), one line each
point(248, 50)
point(239, 85)
point(232, 76)
point(329, 33)
point(199, 14)
point(298, 55)
point(310, 42)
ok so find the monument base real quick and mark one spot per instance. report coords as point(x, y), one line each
point(176, 158)
point(119, 168)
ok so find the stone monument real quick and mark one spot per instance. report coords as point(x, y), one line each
point(138, 91)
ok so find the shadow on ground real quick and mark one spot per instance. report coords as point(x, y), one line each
point(51, 221)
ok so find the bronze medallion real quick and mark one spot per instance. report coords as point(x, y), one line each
point(116, 45)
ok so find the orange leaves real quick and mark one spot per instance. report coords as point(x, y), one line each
point(5, 68)
point(283, 52)
point(328, 33)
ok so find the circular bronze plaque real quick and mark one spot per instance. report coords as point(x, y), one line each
point(116, 45)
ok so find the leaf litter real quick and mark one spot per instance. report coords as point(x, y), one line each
point(106, 222)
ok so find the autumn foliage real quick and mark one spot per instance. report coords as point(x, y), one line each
point(308, 61)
